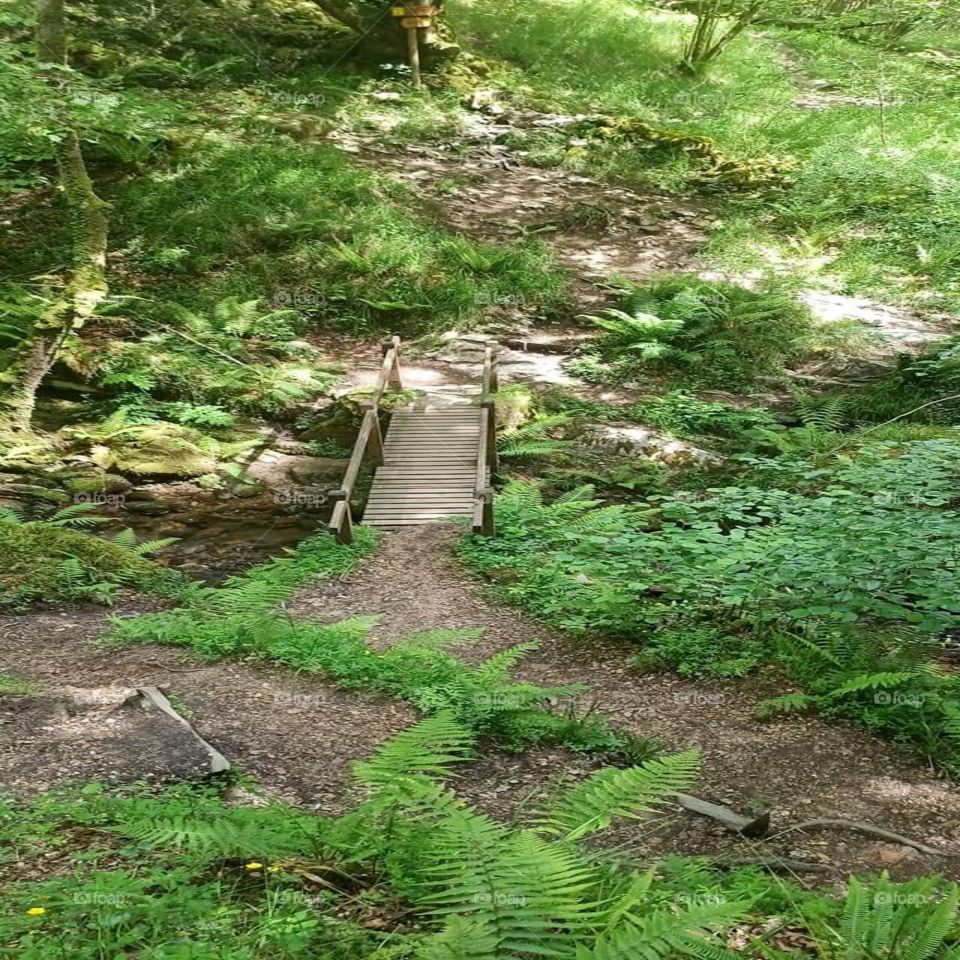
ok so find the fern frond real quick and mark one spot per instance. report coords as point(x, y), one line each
point(785, 704)
point(462, 938)
point(873, 681)
point(153, 546)
point(76, 515)
point(664, 934)
point(430, 747)
point(10, 515)
point(125, 538)
point(498, 668)
point(532, 894)
point(610, 793)
point(518, 493)
point(583, 493)
point(937, 925)
point(238, 835)
point(620, 911)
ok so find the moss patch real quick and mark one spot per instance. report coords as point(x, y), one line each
point(49, 562)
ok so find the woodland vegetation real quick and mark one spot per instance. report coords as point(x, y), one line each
point(202, 240)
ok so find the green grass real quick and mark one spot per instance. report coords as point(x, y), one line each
point(875, 208)
point(301, 227)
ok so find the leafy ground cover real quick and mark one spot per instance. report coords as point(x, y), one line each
point(412, 871)
point(842, 568)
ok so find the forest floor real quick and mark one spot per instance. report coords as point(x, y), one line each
point(298, 736)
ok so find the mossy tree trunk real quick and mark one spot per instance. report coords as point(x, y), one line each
point(88, 225)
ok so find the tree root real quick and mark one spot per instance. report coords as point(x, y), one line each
point(861, 827)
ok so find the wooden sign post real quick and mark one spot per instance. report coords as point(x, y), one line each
point(413, 19)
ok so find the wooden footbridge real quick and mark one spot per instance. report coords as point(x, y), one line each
point(432, 460)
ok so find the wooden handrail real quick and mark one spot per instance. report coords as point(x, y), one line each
point(369, 440)
point(487, 452)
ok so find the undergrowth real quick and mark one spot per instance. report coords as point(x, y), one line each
point(412, 871)
point(244, 618)
point(697, 334)
point(839, 567)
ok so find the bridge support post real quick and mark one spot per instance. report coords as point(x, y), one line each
point(375, 439)
point(341, 520)
point(393, 377)
point(491, 435)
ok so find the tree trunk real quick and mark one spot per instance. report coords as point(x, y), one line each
point(89, 226)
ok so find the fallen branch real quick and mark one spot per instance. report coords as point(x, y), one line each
point(747, 826)
point(778, 864)
point(874, 831)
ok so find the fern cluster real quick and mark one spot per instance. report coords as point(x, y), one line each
point(452, 882)
point(843, 569)
point(707, 334)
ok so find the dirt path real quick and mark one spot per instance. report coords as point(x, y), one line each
point(481, 185)
point(298, 735)
point(295, 734)
point(801, 769)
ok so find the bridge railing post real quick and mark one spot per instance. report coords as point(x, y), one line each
point(369, 443)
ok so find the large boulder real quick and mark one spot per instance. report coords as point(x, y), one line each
point(638, 441)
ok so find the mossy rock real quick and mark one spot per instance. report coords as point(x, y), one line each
point(32, 491)
point(155, 450)
point(51, 563)
point(92, 480)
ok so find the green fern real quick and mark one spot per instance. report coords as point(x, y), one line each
point(899, 922)
point(873, 681)
point(610, 793)
point(462, 938)
point(235, 835)
point(11, 515)
point(76, 515)
point(430, 747)
point(664, 934)
point(531, 438)
point(787, 703)
point(530, 894)
point(820, 412)
point(149, 547)
point(520, 494)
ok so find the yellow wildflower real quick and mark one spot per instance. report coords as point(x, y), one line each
point(37, 911)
